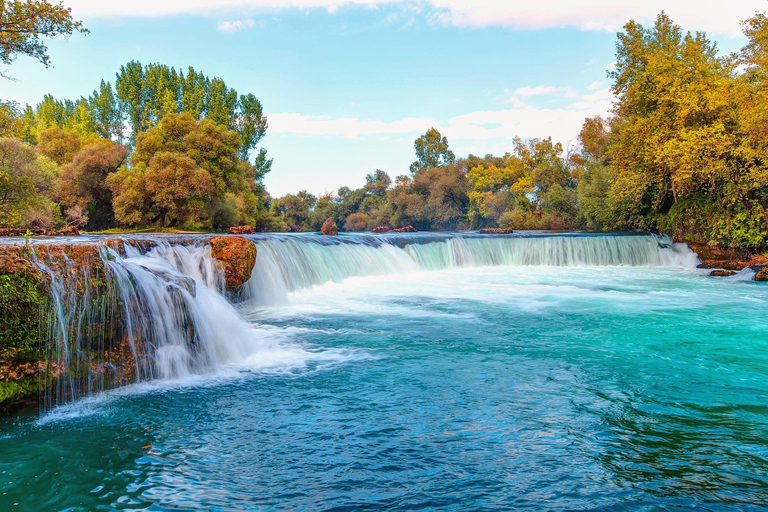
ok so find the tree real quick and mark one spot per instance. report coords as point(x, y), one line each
point(83, 183)
point(431, 151)
point(11, 120)
point(23, 25)
point(108, 122)
point(176, 165)
point(377, 183)
point(59, 145)
point(295, 210)
point(26, 184)
point(250, 123)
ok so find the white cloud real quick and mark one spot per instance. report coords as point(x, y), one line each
point(523, 120)
point(539, 90)
point(234, 26)
point(595, 86)
point(709, 15)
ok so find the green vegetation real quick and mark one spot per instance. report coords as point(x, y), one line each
point(21, 297)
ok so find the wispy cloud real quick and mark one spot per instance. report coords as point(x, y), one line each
point(523, 120)
point(710, 15)
point(234, 26)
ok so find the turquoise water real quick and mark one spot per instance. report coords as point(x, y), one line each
point(481, 388)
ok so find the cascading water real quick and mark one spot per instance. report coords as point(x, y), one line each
point(135, 311)
point(290, 263)
point(136, 314)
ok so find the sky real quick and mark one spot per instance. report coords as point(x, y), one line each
point(348, 85)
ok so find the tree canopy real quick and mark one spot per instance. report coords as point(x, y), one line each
point(24, 25)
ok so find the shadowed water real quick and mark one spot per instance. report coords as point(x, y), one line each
point(471, 388)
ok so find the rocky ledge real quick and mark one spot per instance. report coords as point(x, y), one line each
point(25, 284)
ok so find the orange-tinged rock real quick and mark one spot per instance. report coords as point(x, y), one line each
point(329, 227)
point(237, 255)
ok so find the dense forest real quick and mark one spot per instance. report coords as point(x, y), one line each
point(684, 152)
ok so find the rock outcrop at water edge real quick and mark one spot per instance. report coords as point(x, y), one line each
point(237, 255)
point(241, 230)
point(329, 227)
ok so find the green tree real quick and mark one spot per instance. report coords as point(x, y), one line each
point(431, 151)
point(107, 117)
point(24, 25)
point(27, 183)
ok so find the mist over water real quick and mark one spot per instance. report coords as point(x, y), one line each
point(449, 373)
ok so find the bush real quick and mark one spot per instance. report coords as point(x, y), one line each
point(356, 222)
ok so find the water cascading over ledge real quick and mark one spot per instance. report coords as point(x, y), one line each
point(108, 312)
point(96, 314)
point(289, 263)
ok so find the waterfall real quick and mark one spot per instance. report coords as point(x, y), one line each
point(121, 311)
point(120, 315)
point(289, 263)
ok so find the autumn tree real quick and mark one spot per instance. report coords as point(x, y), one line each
point(59, 145)
point(83, 189)
point(24, 25)
point(183, 171)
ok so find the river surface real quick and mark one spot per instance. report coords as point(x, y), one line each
point(525, 387)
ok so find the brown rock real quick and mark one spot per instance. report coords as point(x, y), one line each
point(762, 275)
point(381, 229)
point(329, 227)
point(497, 231)
point(406, 229)
point(17, 232)
point(241, 230)
point(237, 255)
point(721, 273)
point(68, 231)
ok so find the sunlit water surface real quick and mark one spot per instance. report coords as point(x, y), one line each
point(541, 388)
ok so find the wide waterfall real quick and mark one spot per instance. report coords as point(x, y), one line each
point(137, 309)
point(290, 263)
point(142, 312)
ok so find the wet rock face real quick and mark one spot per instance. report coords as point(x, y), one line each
point(329, 227)
point(406, 229)
point(762, 275)
point(237, 255)
point(722, 273)
point(241, 230)
point(718, 258)
point(381, 229)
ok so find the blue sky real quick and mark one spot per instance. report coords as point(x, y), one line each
point(348, 85)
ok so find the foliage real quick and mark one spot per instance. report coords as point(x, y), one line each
point(83, 188)
point(185, 171)
point(26, 185)
point(23, 25)
point(431, 151)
